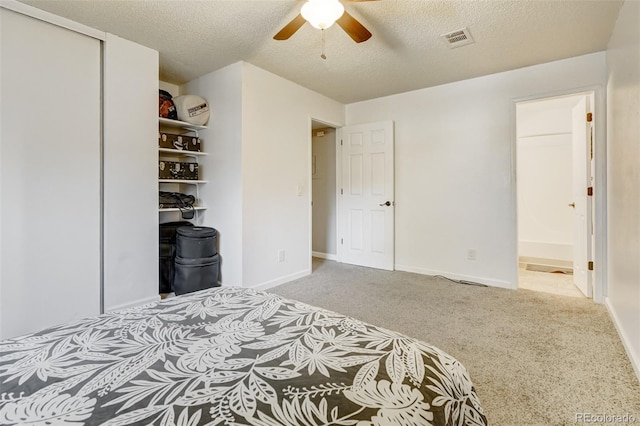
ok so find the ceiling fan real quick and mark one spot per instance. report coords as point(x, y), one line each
point(322, 14)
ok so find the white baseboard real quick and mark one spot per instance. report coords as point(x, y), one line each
point(324, 255)
point(133, 304)
point(545, 262)
point(633, 357)
point(278, 281)
point(546, 250)
point(492, 282)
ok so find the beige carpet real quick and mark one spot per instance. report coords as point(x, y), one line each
point(535, 358)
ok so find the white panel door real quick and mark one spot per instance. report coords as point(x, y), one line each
point(49, 175)
point(368, 195)
point(582, 202)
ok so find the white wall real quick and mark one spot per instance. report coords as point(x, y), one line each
point(455, 188)
point(260, 154)
point(223, 166)
point(276, 156)
point(545, 178)
point(324, 193)
point(623, 166)
point(173, 89)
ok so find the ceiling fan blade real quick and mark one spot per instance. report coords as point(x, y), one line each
point(353, 28)
point(289, 29)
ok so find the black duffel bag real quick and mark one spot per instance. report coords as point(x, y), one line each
point(173, 200)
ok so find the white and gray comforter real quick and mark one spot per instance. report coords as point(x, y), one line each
point(230, 356)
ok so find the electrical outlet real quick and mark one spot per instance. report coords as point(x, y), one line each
point(471, 254)
point(280, 255)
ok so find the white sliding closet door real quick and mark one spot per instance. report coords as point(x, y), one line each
point(130, 174)
point(50, 161)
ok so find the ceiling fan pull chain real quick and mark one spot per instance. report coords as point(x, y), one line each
point(323, 56)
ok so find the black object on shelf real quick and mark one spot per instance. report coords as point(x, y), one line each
point(166, 107)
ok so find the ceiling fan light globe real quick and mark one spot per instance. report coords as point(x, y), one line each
point(322, 13)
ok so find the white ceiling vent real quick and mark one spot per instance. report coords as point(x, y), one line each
point(458, 38)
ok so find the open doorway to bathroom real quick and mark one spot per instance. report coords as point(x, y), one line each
point(554, 165)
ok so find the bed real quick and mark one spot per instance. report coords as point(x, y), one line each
point(230, 356)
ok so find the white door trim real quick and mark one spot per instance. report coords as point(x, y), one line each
point(339, 221)
point(42, 15)
point(600, 187)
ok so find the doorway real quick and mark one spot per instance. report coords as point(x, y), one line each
point(352, 194)
point(323, 193)
point(554, 167)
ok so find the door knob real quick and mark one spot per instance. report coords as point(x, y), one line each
point(572, 205)
point(388, 203)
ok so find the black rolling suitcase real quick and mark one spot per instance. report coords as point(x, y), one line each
point(197, 263)
point(196, 242)
point(196, 274)
point(168, 253)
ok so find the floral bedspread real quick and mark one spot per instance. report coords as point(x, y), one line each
point(230, 356)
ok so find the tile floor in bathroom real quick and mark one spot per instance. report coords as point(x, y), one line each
point(548, 282)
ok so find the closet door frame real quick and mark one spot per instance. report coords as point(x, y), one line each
point(50, 18)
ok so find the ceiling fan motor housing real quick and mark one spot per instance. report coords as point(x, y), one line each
point(322, 13)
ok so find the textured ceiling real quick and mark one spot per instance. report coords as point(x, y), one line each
point(405, 52)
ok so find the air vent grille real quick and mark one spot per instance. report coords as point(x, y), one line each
point(458, 38)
